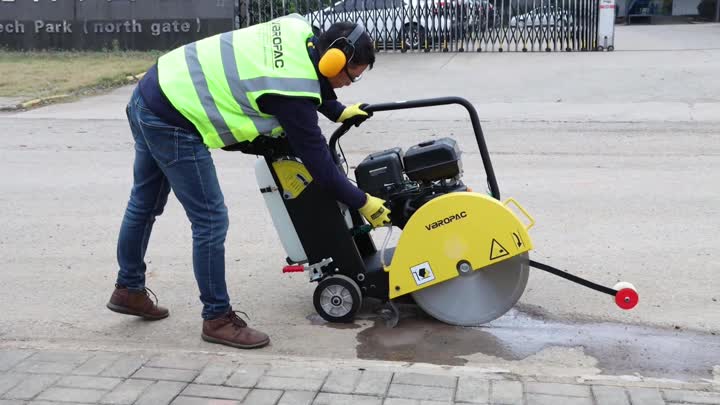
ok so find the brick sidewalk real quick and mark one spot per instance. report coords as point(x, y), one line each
point(41, 377)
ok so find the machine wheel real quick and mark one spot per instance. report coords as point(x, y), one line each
point(337, 299)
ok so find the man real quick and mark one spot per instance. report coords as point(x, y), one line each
point(218, 92)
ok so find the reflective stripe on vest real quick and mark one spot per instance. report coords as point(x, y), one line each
point(215, 82)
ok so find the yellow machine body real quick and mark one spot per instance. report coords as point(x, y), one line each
point(294, 177)
point(456, 228)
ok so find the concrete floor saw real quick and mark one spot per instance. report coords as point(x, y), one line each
point(462, 256)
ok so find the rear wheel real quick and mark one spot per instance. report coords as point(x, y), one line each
point(337, 299)
point(413, 36)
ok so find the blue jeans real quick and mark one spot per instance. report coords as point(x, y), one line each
point(168, 157)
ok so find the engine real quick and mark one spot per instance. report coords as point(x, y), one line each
point(406, 181)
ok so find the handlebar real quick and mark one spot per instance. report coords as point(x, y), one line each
point(430, 102)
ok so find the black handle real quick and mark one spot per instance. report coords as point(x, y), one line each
point(430, 102)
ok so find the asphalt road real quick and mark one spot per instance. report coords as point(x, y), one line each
point(615, 155)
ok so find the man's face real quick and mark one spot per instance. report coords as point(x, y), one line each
point(351, 73)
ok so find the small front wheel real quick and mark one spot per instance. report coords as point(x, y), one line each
point(337, 299)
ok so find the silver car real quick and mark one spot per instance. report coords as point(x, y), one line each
point(391, 23)
point(547, 16)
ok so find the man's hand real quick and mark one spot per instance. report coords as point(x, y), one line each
point(354, 115)
point(375, 211)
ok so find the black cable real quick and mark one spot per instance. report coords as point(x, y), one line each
point(576, 279)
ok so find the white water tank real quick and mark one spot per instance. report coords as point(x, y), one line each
point(280, 217)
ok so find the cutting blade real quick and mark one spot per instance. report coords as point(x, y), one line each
point(479, 296)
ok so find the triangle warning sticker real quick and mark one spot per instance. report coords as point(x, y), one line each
point(497, 250)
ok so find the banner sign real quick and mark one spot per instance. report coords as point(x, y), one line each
point(111, 24)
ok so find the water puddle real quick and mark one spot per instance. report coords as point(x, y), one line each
point(618, 348)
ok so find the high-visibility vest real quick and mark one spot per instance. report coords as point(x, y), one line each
point(215, 82)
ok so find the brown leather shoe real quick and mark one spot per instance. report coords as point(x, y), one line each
point(136, 303)
point(230, 330)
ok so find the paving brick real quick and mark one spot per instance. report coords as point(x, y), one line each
point(645, 396)
point(203, 401)
point(696, 397)
point(49, 403)
point(214, 391)
point(60, 394)
point(12, 402)
point(10, 358)
point(126, 393)
point(542, 399)
point(326, 398)
point(44, 367)
point(297, 372)
point(246, 376)
point(89, 382)
point(52, 362)
point(289, 383)
point(96, 364)
point(30, 386)
point(187, 362)
point(373, 382)
point(8, 381)
point(473, 390)
point(124, 367)
point(165, 374)
point(297, 398)
point(45, 403)
point(160, 393)
point(76, 358)
point(420, 392)
point(262, 397)
point(215, 373)
point(403, 401)
point(425, 380)
point(506, 392)
point(610, 395)
point(568, 390)
point(342, 381)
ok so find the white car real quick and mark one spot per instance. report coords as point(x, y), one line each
point(391, 23)
point(543, 17)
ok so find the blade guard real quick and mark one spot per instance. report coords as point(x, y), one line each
point(451, 230)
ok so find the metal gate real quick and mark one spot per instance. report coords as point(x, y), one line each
point(448, 25)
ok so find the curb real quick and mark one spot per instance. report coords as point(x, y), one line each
point(47, 100)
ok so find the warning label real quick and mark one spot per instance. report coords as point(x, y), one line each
point(497, 250)
point(422, 273)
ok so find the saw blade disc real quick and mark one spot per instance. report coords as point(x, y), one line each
point(479, 296)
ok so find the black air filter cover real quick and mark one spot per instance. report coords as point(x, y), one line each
point(433, 160)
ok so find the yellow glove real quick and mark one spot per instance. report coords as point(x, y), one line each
point(375, 211)
point(354, 114)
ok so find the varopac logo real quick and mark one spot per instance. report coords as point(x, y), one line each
point(446, 221)
point(277, 46)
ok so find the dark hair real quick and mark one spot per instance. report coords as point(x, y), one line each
point(364, 50)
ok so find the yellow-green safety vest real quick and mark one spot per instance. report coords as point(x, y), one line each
point(215, 82)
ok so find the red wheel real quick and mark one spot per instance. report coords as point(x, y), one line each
point(627, 296)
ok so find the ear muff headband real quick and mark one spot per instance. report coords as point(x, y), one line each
point(335, 59)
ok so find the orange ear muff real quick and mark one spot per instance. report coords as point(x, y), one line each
point(332, 62)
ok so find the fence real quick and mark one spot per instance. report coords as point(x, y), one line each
point(448, 25)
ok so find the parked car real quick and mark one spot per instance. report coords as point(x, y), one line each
point(477, 15)
point(402, 23)
point(543, 17)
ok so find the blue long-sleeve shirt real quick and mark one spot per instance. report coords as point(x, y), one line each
point(299, 119)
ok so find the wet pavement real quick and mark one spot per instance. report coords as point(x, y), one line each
point(619, 349)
